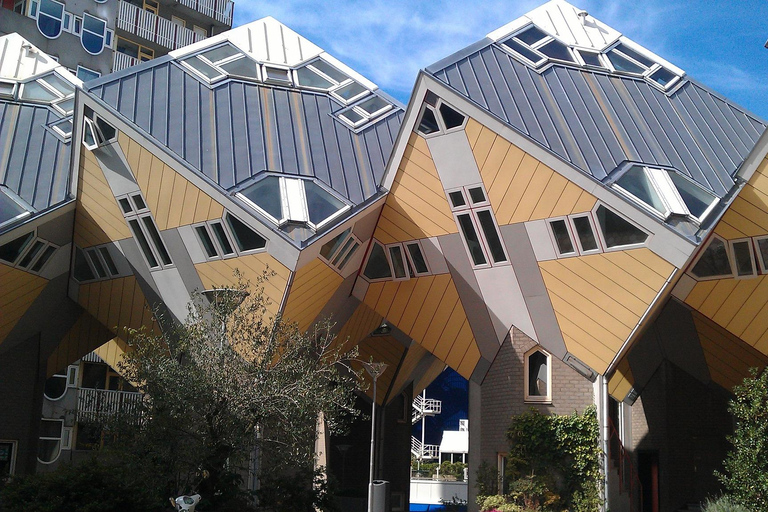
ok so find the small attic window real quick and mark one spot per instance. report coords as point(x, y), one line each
point(537, 47)
point(665, 192)
point(590, 58)
point(11, 208)
point(225, 60)
point(319, 74)
point(618, 232)
point(295, 200)
point(280, 76)
point(450, 118)
point(50, 88)
point(365, 110)
point(628, 60)
point(7, 89)
point(714, 261)
point(428, 122)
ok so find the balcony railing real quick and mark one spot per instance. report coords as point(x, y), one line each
point(121, 61)
point(220, 10)
point(95, 404)
point(151, 27)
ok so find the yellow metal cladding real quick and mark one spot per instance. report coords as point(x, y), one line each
point(172, 199)
point(416, 206)
point(313, 286)
point(86, 335)
point(621, 381)
point(20, 289)
point(385, 349)
point(520, 188)
point(112, 352)
point(740, 305)
point(728, 358)
point(599, 299)
point(410, 362)
point(362, 323)
point(98, 219)
point(218, 273)
point(117, 304)
point(428, 310)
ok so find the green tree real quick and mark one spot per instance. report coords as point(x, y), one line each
point(229, 385)
point(745, 474)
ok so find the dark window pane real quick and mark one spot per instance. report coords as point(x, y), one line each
point(107, 130)
point(378, 265)
point(695, 198)
point(143, 243)
point(244, 67)
point(246, 238)
point(537, 375)
point(48, 450)
point(206, 241)
point(428, 123)
point(585, 233)
point(642, 59)
point(320, 203)
point(350, 90)
point(476, 195)
point(762, 246)
point(373, 105)
point(714, 260)
point(102, 273)
point(491, 236)
point(591, 59)
point(562, 237)
point(617, 231)
point(9, 209)
point(205, 69)
point(93, 43)
point(457, 199)
point(43, 259)
point(309, 78)
point(221, 236)
point(329, 70)
point(451, 118)
point(522, 50)
point(108, 260)
point(139, 202)
point(531, 36)
point(157, 239)
point(418, 258)
point(10, 251)
point(34, 251)
point(623, 64)
point(125, 205)
point(471, 239)
point(556, 50)
point(331, 246)
point(55, 387)
point(742, 253)
point(636, 182)
point(352, 116)
point(266, 195)
point(82, 271)
point(398, 263)
point(221, 53)
point(343, 251)
point(349, 255)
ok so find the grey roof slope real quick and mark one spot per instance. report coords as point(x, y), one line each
point(238, 129)
point(34, 163)
point(596, 120)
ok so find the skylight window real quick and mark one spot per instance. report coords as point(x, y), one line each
point(450, 118)
point(53, 89)
point(319, 74)
point(665, 192)
point(221, 61)
point(293, 200)
point(96, 131)
point(536, 47)
point(365, 110)
point(627, 60)
point(11, 208)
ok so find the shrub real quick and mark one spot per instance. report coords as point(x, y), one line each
point(724, 504)
point(745, 475)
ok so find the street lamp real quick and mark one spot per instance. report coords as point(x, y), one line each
point(374, 370)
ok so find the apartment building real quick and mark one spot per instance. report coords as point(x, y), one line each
point(92, 38)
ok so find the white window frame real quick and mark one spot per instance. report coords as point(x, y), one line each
point(600, 57)
point(59, 439)
point(230, 237)
point(73, 376)
point(32, 262)
point(66, 388)
point(535, 47)
point(398, 247)
point(534, 398)
point(37, 4)
point(65, 135)
point(575, 233)
point(601, 235)
point(418, 244)
point(277, 81)
point(734, 263)
point(14, 449)
point(571, 234)
point(66, 438)
point(59, 97)
point(233, 237)
point(223, 74)
point(139, 215)
point(366, 117)
point(339, 258)
point(20, 202)
point(13, 85)
point(368, 257)
point(79, 67)
point(336, 85)
point(763, 264)
point(648, 70)
point(731, 262)
point(103, 36)
point(472, 208)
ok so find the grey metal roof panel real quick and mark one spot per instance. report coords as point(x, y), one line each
point(34, 163)
point(595, 120)
point(238, 129)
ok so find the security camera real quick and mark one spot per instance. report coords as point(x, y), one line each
point(186, 503)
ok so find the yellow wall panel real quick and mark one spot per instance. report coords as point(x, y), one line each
point(621, 381)
point(101, 299)
point(473, 130)
point(471, 358)
point(410, 362)
point(112, 352)
point(483, 145)
point(384, 349)
point(20, 289)
point(499, 184)
point(219, 273)
point(85, 335)
point(362, 322)
point(313, 286)
point(599, 299)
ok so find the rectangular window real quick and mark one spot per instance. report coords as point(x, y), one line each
point(762, 250)
point(743, 257)
point(222, 238)
point(562, 237)
point(398, 261)
point(141, 238)
point(207, 242)
point(416, 255)
point(145, 231)
point(477, 225)
point(471, 239)
point(585, 234)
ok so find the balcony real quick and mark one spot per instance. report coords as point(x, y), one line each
point(153, 28)
point(95, 404)
point(220, 10)
point(121, 61)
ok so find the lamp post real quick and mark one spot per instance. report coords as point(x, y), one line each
point(374, 370)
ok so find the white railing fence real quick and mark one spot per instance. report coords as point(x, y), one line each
point(220, 10)
point(151, 27)
point(94, 404)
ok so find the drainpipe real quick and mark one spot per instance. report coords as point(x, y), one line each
point(606, 439)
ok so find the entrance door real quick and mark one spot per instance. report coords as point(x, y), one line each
point(648, 471)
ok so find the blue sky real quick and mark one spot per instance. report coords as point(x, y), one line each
point(719, 43)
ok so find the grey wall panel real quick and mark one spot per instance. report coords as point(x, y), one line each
point(144, 103)
point(470, 295)
point(346, 158)
point(269, 127)
point(116, 171)
point(483, 82)
point(192, 146)
point(455, 80)
point(284, 114)
point(743, 141)
point(256, 133)
point(466, 69)
point(131, 251)
point(58, 230)
point(644, 358)
point(511, 114)
point(316, 108)
point(110, 93)
point(208, 134)
point(222, 127)
point(127, 97)
point(176, 110)
point(301, 135)
point(340, 306)
point(241, 153)
point(160, 104)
